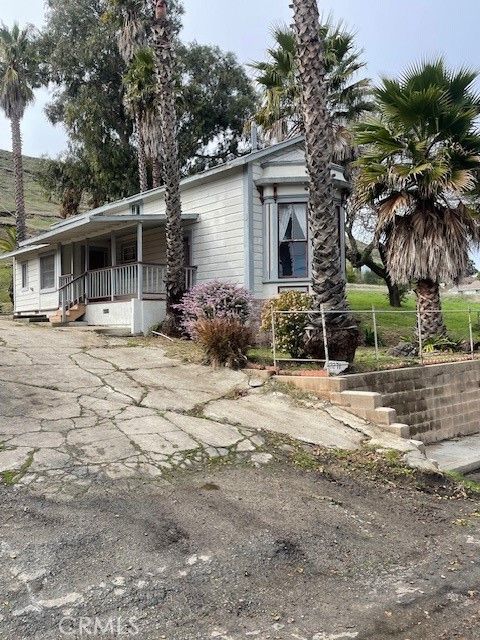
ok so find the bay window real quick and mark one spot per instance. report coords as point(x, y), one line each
point(292, 240)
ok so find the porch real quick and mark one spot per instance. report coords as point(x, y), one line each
point(141, 281)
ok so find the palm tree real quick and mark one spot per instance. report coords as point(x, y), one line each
point(18, 77)
point(347, 98)
point(132, 23)
point(328, 283)
point(421, 162)
point(140, 91)
point(165, 60)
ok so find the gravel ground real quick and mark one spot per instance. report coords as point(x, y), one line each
point(232, 552)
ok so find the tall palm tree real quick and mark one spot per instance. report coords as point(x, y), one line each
point(421, 162)
point(18, 77)
point(347, 97)
point(132, 23)
point(328, 282)
point(140, 91)
point(165, 59)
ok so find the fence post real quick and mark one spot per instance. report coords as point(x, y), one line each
point(325, 339)
point(470, 329)
point(420, 337)
point(375, 333)
point(274, 340)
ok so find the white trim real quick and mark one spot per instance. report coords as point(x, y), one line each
point(51, 254)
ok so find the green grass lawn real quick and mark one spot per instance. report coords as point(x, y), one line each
point(394, 326)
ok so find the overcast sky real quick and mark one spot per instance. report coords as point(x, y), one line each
point(393, 34)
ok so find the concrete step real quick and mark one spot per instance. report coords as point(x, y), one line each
point(461, 454)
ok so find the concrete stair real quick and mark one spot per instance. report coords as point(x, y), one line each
point(74, 313)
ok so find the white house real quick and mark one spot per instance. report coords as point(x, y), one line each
point(468, 287)
point(244, 222)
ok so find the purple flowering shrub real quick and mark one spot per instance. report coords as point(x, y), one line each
point(211, 300)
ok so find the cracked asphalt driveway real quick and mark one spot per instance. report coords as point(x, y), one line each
point(76, 406)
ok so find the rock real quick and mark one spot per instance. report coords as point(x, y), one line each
point(418, 460)
point(404, 350)
point(261, 458)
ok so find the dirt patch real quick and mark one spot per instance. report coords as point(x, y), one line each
point(314, 546)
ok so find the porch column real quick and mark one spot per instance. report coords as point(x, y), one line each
point(113, 252)
point(58, 265)
point(72, 260)
point(140, 260)
point(86, 267)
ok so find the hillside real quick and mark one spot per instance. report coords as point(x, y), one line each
point(40, 212)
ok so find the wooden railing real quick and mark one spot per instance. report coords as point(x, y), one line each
point(117, 282)
point(63, 280)
point(72, 293)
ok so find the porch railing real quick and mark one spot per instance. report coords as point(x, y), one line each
point(63, 280)
point(71, 293)
point(117, 282)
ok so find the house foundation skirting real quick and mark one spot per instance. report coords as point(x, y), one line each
point(139, 315)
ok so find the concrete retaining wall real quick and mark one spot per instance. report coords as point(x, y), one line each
point(429, 403)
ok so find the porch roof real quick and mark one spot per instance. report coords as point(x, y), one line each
point(90, 225)
point(23, 251)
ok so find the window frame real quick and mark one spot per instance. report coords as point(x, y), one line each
point(136, 209)
point(287, 203)
point(52, 287)
point(127, 245)
point(24, 275)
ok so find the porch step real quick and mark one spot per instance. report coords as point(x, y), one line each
point(73, 314)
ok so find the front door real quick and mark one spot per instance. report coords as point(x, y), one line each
point(98, 258)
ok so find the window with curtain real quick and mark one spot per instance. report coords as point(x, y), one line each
point(47, 272)
point(292, 240)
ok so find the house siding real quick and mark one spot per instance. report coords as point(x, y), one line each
point(32, 299)
point(217, 239)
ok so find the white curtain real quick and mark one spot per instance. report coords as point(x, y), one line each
point(299, 211)
point(285, 215)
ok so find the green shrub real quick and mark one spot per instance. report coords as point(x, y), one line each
point(224, 341)
point(369, 338)
point(371, 278)
point(289, 329)
point(352, 276)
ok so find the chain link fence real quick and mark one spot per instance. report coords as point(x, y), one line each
point(388, 338)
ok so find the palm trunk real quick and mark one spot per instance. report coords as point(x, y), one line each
point(328, 281)
point(429, 307)
point(157, 173)
point(142, 158)
point(163, 46)
point(18, 176)
point(394, 295)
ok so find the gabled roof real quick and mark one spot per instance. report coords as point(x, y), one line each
point(204, 176)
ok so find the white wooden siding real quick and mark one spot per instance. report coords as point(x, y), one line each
point(217, 243)
point(32, 299)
